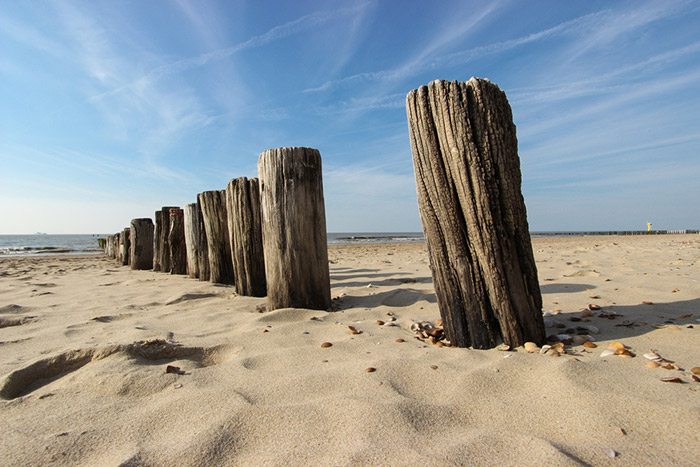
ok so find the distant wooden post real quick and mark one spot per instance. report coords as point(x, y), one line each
point(108, 246)
point(215, 224)
point(294, 228)
point(176, 242)
point(141, 234)
point(125, 243)
point(245, 236)
point(203, 246)
point(191, 219)
point(115, 246)
point(465, 156)
point(158, 216)
point(162, 235)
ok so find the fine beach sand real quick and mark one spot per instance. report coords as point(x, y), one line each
point(84, 347)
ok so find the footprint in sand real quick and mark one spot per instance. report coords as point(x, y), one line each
point(42, 372)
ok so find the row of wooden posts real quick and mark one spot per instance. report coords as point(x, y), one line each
point(266, 235)
point(468, 179)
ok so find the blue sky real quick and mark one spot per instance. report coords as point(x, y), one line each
point(111, 109)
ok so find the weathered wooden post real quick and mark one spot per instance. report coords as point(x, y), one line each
point(245, 236)
point(118, 244)
point(108, 246)
point(203, 246)
point(294, 228)
point(215, 224)
point(176, 242)
point(465, 156)
point(125, 244)
point(191, 218)
point(161, 252)
point(141, 233)
point(115, 246)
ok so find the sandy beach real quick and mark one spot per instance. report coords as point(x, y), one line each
point(104, 366)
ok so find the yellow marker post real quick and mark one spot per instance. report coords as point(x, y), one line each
point(648, 226)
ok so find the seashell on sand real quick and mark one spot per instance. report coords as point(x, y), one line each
point(590, 345)
point(415, 327)
point(695, 370)
point(503, 348)
point(607, 353)
point(545, 349)
point(652, 356)
point(652, 364)
point(370, 369)
point(325, 345)
point(672, 379)
point(592, 329)
point(617, 346)
point(578, 340)
point(531, 347)
point(552, 353)
point(354, 330)
point(400, 340)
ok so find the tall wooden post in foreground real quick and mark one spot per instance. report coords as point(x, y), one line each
point(176, 242)
point(465, 156)
point(141, 244)
point(216, 226)
point(191, 220)
point(294, 228)
point(245, 235)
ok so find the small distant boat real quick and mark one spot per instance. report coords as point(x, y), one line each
point(40, 233)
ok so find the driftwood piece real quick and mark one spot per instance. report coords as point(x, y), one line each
point(203, 246)
point(294, 228)
point(216, 226)
point(176, 242)
point(245, 236)
point(191, 219)
point(141, 234)
point(125, 245)
point(468, 179)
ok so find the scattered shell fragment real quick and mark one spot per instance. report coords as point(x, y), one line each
point(504, 348)
point(652, 364)
point(177, 385)
point(549, 323)
point(434, 367)
point(617, 346)
point(354, 330)
point(593, 307)
point(672, 379)
point(624, 353)
point(671, 366)
point(390, 323)
point(645, 302)
point(400, 341)
point(695, 370)
point(652, 356)
point(674, 328)
point(592, 329)
point(607, 352)
point(590, 345)
point(531, 347)
point(545, 349)
point(370, 369)
point(552, 353)
point(675, 290)
point(611, 453)
point(415, 327)
point(326, 345)
point(174, 369)
point(380, 322)
point(695, 378)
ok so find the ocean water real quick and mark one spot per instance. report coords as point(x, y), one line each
point(43, 244)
